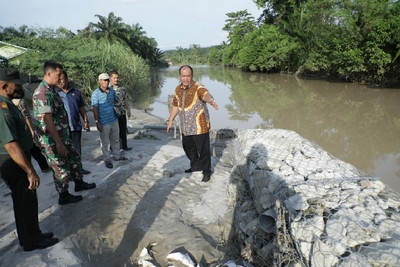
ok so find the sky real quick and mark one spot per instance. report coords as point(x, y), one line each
point(171, 23)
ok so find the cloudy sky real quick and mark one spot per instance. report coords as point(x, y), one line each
point(171, 22)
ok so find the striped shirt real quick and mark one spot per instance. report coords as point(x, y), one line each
point(105, 103)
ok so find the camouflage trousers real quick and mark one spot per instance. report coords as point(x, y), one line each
point(64, 168)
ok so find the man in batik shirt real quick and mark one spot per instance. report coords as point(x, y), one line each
point(51, 126)
point(190, 101)
point(123, 106)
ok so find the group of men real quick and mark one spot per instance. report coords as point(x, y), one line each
point(57, 109)
point(56, 128)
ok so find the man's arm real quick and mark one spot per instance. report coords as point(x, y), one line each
point(85, 118)
point(17, 154)
point(96, 118)
point(208, 98)
point(128, 110)
point(174, 112)
point(51, 127)
point(29, 123)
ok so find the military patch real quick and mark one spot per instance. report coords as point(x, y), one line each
point(3, 105)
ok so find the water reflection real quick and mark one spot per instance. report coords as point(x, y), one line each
point(355, 123)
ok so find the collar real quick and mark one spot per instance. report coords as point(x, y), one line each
point(190, 85)
point(116, 87)
point(104, 91)
point(4, 99)
point(61, 90)
point(47, 85)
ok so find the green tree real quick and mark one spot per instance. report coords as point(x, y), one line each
point(238, 25)
point(110, 28)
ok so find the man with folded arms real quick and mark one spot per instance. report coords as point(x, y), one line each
point(15, 167)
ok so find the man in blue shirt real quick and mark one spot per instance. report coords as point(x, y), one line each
point(75, 107)
point(103, 100)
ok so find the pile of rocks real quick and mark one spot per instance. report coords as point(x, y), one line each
point(297, 204)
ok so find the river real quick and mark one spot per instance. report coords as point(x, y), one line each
point(355, 123)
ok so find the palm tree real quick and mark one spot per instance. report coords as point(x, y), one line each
point(110, 28)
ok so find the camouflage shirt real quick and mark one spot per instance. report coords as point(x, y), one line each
point(47, 100)
point(193, 111)
point(121, 95)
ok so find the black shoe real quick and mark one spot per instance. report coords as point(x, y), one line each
point(127, 148)
point(66, 198)
point(120, 158)
point(79, 186)
point(42, 243)
point(85, 171)
point(108, 164)
point(46, 235)
point(190, 170)
point(206, 177)
point(42, 235)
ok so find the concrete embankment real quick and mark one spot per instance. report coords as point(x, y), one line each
point(298, 205)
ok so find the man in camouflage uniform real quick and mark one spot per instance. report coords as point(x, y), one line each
point(123, 106)
point(51, 126)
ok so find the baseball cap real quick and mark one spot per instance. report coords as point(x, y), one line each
point(104, 76)
point(10, 75)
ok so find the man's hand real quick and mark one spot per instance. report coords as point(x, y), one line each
point(214, 105)
point(34, 180)
point(169, 126)
point(15, 151)
point(99, 127)
point(61, 149)
point(86, 127)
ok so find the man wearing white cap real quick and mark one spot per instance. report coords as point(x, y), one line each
point(103, 100)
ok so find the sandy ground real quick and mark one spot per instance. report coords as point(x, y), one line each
point(147, 201)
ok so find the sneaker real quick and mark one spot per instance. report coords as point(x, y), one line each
point(108, 164)
point(66, 198)
point(79, 186)
point(126, 148)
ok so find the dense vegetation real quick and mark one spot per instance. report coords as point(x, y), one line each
point(194, 55)
point(106, 45)
point(354, 40)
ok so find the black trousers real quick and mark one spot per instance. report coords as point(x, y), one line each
point(76, 137)
point(123, 131)
point(197, 149)
point(36, 153)
point(25, 203)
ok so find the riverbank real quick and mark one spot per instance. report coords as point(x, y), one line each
point(315, 208)
point(146, 201)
